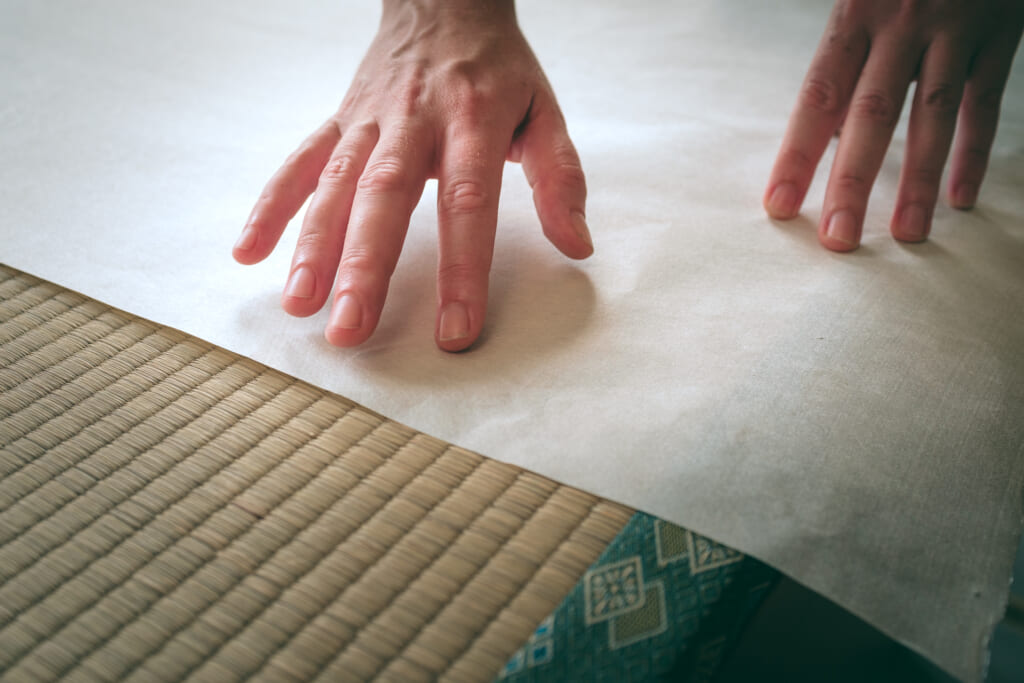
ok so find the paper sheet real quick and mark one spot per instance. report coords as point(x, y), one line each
point(855, 420)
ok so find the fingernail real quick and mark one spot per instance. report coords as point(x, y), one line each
point(247, 240)
point(912, 226)
point(965, 195)
point(783, 201)
point(579, 225)
point(454, 322)
point(346, 314)
point(301, 284)
point(842, 227)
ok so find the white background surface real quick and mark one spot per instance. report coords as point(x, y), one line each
point(855, 420)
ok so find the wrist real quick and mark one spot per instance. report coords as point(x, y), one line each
point(461, 11)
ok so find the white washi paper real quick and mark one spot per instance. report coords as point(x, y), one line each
point(855, 420)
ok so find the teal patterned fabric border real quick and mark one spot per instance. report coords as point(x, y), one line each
point(661, 603)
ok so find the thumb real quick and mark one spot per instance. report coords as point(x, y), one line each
point(554, 172)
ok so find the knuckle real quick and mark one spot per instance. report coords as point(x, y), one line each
point(310, 241)
point(471, 107)
point(857, 5)
point(923, 177)
point(463, 70)
point(339, 169)
point(842, 41)
point(844, 11)
point(566, 172)
point(411, 88)
point(875, 106)
point(362, 264)
point(475, 100)
point(384, 177)
point(852, 12)
point(798, 160)
point(852, 183)
point(821, 95)
point(465, 196)
point(570, 174)
point(912, 11)
point(459, 274)
point(989, 100)
point(942, 99)
point(571, 179)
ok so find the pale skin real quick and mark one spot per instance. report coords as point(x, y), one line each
point(960, 53)
point(449, 89)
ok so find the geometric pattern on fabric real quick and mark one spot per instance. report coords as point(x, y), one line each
point(613, 589)
point(660, 604)
point(671, 542)
point(706, 554)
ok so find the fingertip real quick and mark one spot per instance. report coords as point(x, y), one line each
point(455, 346)
point(566, 230)
point(584, 243)
point(243, 257)
point(300, 308)
point(344, 338)
point(247, 240)
point(341, 338)
point(841, 232)
point(300, 297)
point(836, 245)
point(963, 196)
point(244, 251)
point(457, 328)
point(911, 224)
point(347, 323)
point(566, 237)
point(782, 202)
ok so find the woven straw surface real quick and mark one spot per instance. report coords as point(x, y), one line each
point(170, 510)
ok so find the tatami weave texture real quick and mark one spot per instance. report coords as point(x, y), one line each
point(170, 510)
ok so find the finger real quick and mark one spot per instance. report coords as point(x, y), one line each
point(872, 116)
point(386, 194)
point(553, 170)
point(842, 120)
point(818, 114)
point(467, 209)
point(319, 246)
point(979, 111)
point(932, 121)
point(284, 194)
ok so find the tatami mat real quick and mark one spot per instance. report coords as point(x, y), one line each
point(171, 510)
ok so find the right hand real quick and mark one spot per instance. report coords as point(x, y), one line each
point(449, 89)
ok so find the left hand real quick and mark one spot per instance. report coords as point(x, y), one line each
point(960, 52)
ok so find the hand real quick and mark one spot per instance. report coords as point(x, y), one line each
point(960, 52)
point(448, 90)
